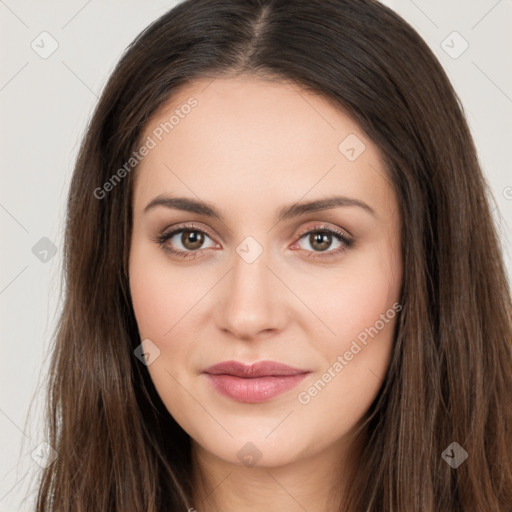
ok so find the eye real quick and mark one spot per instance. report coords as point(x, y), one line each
point(184, 241)
point(321, 240)
point(187, 241)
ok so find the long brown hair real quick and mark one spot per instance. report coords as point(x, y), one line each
point(450, 375)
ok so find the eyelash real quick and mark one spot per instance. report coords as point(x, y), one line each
point(162, 238)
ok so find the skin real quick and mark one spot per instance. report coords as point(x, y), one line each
point(249, 148)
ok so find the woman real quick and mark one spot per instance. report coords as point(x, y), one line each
point(284, 286)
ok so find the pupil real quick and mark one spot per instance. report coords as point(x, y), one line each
point(192, 239)
point(323, 239)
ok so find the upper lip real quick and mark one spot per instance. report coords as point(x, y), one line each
point(259, 369)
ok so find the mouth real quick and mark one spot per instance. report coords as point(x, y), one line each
point(253, 383)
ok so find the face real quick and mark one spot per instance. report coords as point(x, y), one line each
point(253, 264)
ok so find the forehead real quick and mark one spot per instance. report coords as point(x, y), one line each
point(255, 138)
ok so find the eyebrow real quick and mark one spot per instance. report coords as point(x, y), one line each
point(287, 212)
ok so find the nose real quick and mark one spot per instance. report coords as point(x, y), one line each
point(252, 301)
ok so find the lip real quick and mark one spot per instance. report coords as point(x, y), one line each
point(253, 383)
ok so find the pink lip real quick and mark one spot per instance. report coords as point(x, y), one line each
point(253, 383)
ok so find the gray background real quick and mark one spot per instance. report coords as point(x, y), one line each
point(45, 104)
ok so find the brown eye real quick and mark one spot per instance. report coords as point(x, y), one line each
point(320, 241)
point(185, 241)
point(324, 242)
point(192, 240)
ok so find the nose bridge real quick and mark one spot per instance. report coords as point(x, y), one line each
point(250, 302)
point(250, 273)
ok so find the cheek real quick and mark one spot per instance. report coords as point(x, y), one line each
point(355, 360)
point(160, 297)
point(364, 327)
point(360, 305)
point(359, 298)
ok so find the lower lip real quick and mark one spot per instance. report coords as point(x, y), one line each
point(254, 390)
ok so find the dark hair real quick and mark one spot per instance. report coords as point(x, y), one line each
point(450, 375)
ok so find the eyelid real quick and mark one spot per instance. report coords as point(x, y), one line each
point(311, 227)
point(187, 226)
point(324, 227)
